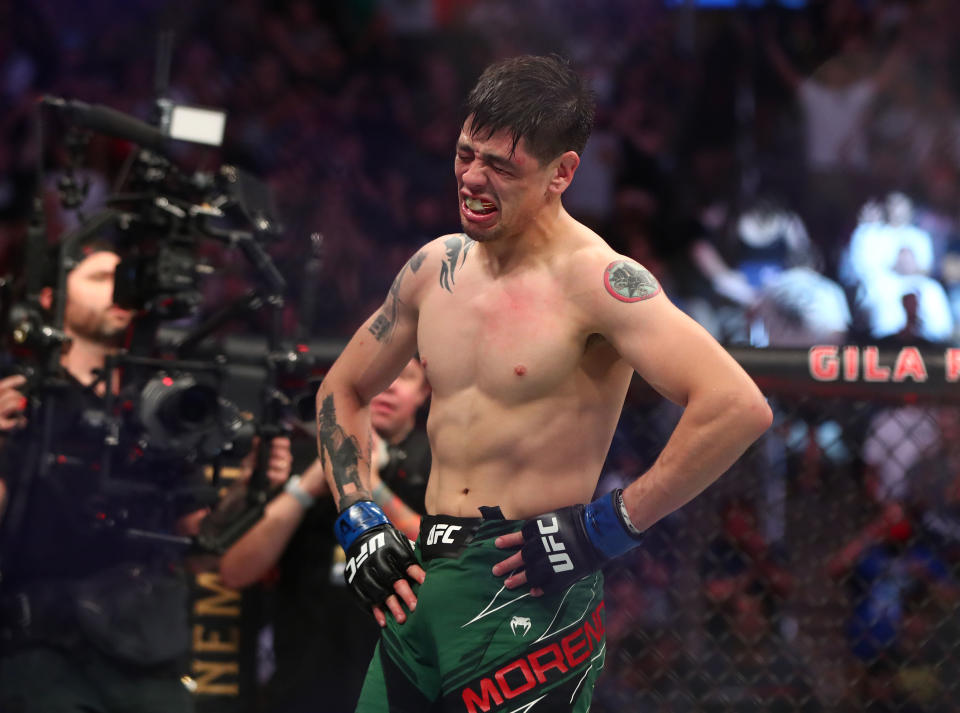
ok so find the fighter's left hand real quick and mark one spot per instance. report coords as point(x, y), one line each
point(563, 546)
point(513, 565)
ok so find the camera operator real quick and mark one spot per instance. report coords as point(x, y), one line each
point(93, 605)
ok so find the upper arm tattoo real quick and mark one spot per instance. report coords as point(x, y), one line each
point(386, 320)
point(456, 245)
point(629, 281)
point(341, 453)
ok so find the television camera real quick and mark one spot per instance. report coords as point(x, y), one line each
point(178, 397)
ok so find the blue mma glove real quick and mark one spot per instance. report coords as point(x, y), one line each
point(377, 553)
point(568, 544)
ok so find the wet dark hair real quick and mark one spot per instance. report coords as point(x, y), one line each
point(538, 99)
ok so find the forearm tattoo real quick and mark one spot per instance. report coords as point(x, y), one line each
point(629, 281)
point(340, 452)
point(456, 246)
point(386, 319)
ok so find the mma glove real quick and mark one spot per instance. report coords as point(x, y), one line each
point(568, 544)
point(377, 553)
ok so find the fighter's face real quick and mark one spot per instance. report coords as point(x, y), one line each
point(90, 312)
point(393, 410)
point(500, 192)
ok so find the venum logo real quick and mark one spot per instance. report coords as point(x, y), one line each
point(561, 561)
point(366, 549)
point(442, 533)
point(520, 623)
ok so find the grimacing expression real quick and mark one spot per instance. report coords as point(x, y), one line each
point(90, 312)
point(393, 411)
point(499, 192)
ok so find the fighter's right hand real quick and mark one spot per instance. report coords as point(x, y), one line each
point(12, 403)
point(380, 561)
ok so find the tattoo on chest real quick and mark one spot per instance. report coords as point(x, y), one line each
point(386, 319)
point(457, 246)
point(339, 451)
point(629, 281)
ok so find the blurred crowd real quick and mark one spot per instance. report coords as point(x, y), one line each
point(790, 175)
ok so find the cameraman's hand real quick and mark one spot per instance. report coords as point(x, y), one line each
point(278, 465)
point(12, 403)
point(314, 481)
point(281, 460)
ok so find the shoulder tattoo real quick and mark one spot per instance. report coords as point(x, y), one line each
point(382, 326)
point(457, 248)
point(417, 260)
point(629, 281)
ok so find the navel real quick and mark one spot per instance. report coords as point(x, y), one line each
point(466, 491)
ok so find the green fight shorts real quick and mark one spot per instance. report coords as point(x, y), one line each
point(472, 646)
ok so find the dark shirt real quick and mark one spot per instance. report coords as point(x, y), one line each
point(884, 583)
point(407, 470)
point(323, 637)
point(75, 522)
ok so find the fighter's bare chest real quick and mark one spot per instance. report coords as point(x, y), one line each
point(511, 338)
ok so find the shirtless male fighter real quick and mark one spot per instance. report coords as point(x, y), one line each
point(530, 328)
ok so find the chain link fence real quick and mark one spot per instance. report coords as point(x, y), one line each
point(819, 574)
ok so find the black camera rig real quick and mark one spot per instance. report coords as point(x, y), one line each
point(174, 401)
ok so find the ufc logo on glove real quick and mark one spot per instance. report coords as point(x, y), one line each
point(367, 548)
point(560, 562)
point(563, 546)
point(377, 553)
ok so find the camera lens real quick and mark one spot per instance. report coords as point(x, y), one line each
point(187, 407)
point(176, 406)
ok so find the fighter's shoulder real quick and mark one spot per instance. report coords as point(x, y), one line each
point(439, 250)
point(606, 278)
point(441, 258)
point(411, 274)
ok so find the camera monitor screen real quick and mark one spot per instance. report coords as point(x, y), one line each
point(203, 126)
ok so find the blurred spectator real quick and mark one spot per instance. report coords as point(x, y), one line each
point(835, 103)
point(897, 438)
point(892, 575)
point(644, 679)
point(747, 659)
point(643, 655)
point(758, 231)
point(744, 579)
point(795, 305)
point(771, 277)
point(799, 309)
point(935, 485)
point(887, 264)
